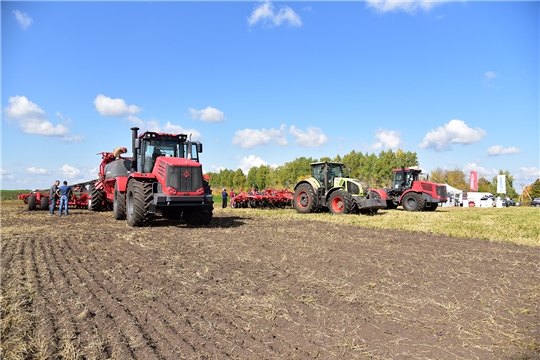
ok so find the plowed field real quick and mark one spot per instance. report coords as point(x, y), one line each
point(248, 287)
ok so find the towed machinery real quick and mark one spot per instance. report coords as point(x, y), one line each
point(268, 198)
point(163, 175)
point(40, 199)
point(412, 193)
point(331, 187)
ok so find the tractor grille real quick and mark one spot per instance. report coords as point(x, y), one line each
point(441, 191)
point(427, 187)
point(184, 178)
point(352, 188)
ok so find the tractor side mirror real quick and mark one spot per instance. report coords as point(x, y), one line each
point(199, 148)
point(137, 143)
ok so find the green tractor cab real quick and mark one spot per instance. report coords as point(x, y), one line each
point(330, 187)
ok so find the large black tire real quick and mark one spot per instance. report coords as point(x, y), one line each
point(44, 203)
point(198, 215)
point(341, 202)
point(138, 198)
point(97, 196)
point(31, 203)
point(119, 203)
point(413, 202)
point(431, 207)
point(304, 198)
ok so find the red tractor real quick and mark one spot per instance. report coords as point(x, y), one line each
point(412, 193)
point(164, 176)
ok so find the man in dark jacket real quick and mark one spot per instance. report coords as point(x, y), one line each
point(53, 196)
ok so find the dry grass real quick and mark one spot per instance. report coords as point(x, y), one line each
point(518, 225)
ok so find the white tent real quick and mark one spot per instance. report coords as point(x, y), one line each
point(453, 195)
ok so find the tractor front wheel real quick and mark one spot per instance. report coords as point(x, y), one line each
point(138, 197)
point(304, 198)
point(432, 207)
point(413, 202)
point(119, 203)
point(341, 202)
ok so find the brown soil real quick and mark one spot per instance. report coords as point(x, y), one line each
point(249, 287)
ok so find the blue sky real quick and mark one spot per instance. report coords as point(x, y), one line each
point(267, 82)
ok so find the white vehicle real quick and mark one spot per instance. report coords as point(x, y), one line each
point(478, 199)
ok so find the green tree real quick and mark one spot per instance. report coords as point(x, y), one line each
point(239, 180)
point(510, 191)
point(534, 191)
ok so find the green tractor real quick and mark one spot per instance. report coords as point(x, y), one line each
point(330, 187)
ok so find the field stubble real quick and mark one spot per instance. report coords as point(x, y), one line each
point(265, 284)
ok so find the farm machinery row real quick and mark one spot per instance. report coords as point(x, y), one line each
point(331, 188)
point(268, 198)
point(40, 199)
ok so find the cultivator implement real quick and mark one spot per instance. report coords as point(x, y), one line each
point(40, 199)
point(269, 198)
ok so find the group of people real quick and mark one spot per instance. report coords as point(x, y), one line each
point(63, 193)
point(224, 197)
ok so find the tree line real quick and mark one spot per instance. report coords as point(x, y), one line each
point(373, 169)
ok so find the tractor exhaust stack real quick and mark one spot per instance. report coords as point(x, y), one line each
point(134, 135)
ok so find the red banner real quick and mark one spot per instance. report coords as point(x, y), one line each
point(474, 181)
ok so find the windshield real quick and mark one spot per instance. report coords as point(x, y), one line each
point(152, 149)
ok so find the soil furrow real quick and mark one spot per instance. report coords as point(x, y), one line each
point(92, 275)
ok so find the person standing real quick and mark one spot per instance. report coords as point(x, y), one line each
point(224, 198)
point(65, 193)
point(53, 196)
point(232, 195)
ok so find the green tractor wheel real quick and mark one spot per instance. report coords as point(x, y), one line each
point(341, 202)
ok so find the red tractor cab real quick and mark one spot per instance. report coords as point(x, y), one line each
point(413, 193)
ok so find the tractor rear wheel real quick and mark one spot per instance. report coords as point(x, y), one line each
point(413, 202)
point(432, 207)
point(304, 198)
point(119, 203)
point(44, 203)
point(341, 202)
point(138, 197)
point(31, 203)
point(96, 203)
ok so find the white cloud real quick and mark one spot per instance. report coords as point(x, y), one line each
point(6, 175)
point(265, 13)
point(410, 6)
point(247, 163)
point(32, 118)
point(114, 107)
point(249, 138)
point(499, 150)
point(74, 139)
point(525, 176)
point(136, 121)
point(312, 137)
point(487, 174)
point(455, 132)
point(177, 129)
point(388, 139)
point(69, 171)
point(209, 114)
point(490, 75)
point(36, 171)
point(23, 18)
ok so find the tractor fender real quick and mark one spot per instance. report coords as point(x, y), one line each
point(311, 181)
point(381, 193)
point(121, 182)
point(405, 193)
